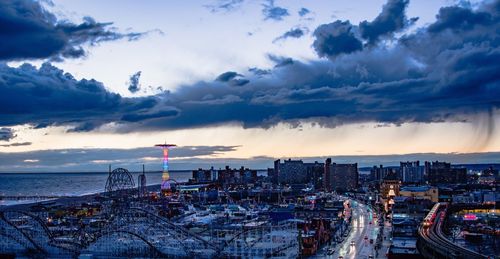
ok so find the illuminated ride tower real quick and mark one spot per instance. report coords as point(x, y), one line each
point(165, 178)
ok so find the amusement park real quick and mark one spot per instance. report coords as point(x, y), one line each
point(290, 212)
point(179, 220)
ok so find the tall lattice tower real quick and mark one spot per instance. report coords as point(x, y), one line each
point(165, 178)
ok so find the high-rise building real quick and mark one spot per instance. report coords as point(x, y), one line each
point(204, 176)
point(340, 176)
point(314, 173)
point(235, 176)
point(327, 174)
point(411, 172)
point(290, 171)
point(442, 173)
point(380, 173)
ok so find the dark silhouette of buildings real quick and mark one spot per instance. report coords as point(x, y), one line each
point(314, 172)
point(411, 172)
point(490, 172)
point(297, 172)
point(290, 171)
point(442, 173)
point(224, 176)
point(340, 176)
point(380, 173)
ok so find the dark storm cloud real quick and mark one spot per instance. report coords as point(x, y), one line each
point(392, 19)
point(28, 31)
point(292, 33)
point(134, 84)
point(460, 18)
point(84, 127)
point(280, 61)
point(450, 74)
point(48, 96)
point(232, 78)
point(336, 38)
point(272, 12)
point(303, 11)
point(259, 72)
point(226, 76)
point(6, 134)
point(134, 117)
point(224, 5)
point(17, 144)
point(341, 37)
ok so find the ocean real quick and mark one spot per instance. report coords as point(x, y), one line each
point(66, 184)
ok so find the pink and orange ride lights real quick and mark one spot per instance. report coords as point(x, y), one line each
point(165, 178)
point(470, 217)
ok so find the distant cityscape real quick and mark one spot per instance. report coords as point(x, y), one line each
point(297, 209)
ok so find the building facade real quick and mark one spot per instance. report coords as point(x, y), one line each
point(442, 173)
point(314, 172)
point(411, 172)
point(224, 176)
point(380, 173)
point(290, 171)
point(340, 176)
point(420, 192)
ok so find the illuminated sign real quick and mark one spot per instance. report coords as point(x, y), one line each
point(470, 217)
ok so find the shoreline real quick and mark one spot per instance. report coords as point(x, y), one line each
point(67, 199)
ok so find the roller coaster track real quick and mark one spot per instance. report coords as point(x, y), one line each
point(434, 244)
point(177, 228)
point(18, 240)
point(129, 215)
point(156, 251)
point(28, 237)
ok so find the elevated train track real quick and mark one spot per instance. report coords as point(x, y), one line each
point(432, 243)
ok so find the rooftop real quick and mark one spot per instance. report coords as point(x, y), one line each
point(407, 243)
point(415, 188)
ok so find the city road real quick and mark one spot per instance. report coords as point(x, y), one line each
point(357, 243)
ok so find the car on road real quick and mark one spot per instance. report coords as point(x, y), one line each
point(353, 243)
point(366, 237)
point(341, 257)
point(330, 251)
point(370, 257)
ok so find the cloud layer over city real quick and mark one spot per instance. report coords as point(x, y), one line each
point(361, 78)
point(383, 70)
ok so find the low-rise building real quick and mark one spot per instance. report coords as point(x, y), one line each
point(420, 192)
point(404, 248)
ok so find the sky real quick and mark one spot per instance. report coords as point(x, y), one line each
point(88, 83)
